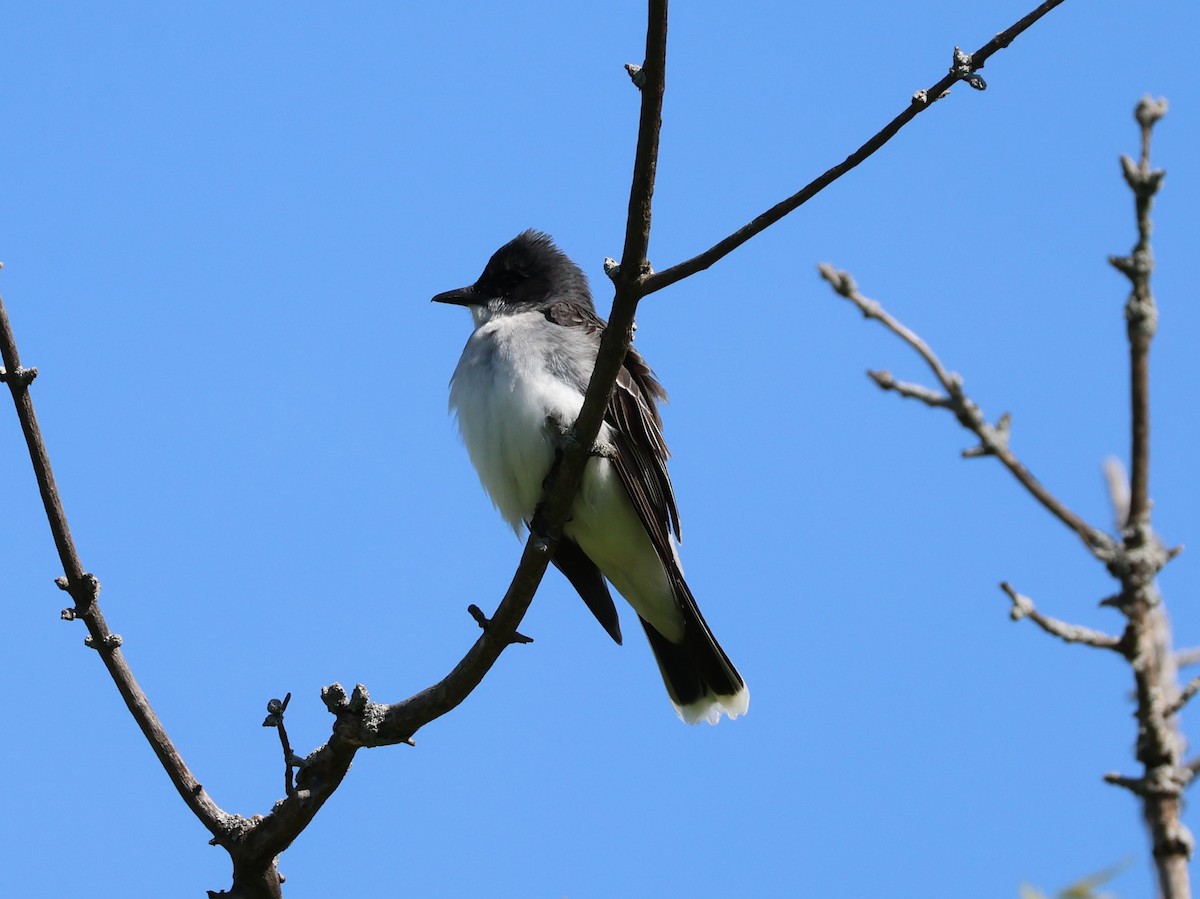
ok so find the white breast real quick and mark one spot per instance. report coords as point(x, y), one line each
point(501, 400)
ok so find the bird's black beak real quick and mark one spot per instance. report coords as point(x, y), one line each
point(462, 296)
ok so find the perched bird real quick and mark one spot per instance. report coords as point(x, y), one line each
point(518, 387)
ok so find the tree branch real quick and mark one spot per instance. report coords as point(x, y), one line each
point(963, 68)
point(993, 439)
point(83, 588)
point(1142, 556)
point(275, 711)
point(1135, 561)
point(1185, 696)
point(1022, 607)
point(1141, 313)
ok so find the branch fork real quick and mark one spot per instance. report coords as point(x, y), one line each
point(993, 439)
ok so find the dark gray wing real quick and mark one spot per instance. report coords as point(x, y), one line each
point(697, 666)
point(641, 452)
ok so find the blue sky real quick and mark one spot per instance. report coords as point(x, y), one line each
point(223, 224)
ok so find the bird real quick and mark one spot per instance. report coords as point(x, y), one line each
point(517, 390)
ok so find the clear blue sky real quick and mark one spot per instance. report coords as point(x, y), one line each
point(222, 226)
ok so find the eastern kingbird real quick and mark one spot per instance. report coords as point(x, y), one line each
point(518, 387)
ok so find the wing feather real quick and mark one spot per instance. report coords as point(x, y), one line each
point(641, 451)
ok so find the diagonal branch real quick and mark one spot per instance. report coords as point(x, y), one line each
point(1186, 695)
point(963, 68)
point(1022, 607)
point(886, 381)
point(84, 588)
point(993, 439)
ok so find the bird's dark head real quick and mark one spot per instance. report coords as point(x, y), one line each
point(528, 272)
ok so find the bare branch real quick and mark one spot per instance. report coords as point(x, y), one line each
point(1022, 607)
point(1134, 785)
point(993, 439)
point(84, 587)
point(844, 285)
point(1135, 561)
point(1185, 696)
point(1167, 783)
point(885, 381)
point(1142, 556)
point(963, 68)
point(275, 710)
point(1141, 312)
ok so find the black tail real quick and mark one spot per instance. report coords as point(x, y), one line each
point(700, 679)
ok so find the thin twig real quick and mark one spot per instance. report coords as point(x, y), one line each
point(84, 588)
point(1142, 556)
point(1022, 607)
point(275, 710)
point(1134, 785)
point(1185, 696)
point(963, 68)
point(886, 381)
point(1165, 782)
point(993, 439)
point(1141, 312)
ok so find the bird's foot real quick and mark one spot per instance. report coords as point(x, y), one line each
point(564, 439)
